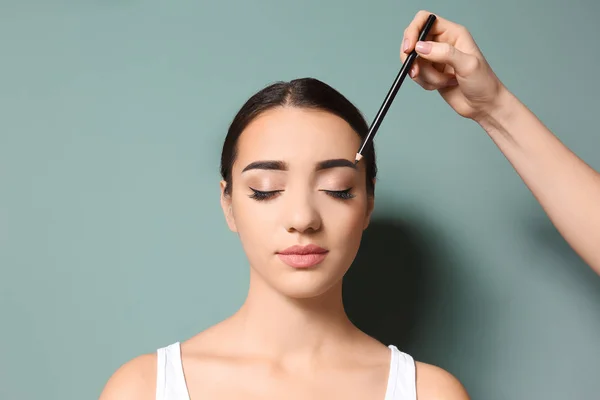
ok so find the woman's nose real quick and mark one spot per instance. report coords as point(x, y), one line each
point(302, 215)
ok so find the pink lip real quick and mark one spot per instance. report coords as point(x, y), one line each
point(303, 256)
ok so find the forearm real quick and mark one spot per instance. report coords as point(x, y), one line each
point(565, 186)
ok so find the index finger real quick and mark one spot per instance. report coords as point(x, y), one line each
point(411, 33)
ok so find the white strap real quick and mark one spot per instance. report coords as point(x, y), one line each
point(161, 360)
point(392, 375)
point(403, 384)
point(170, 379)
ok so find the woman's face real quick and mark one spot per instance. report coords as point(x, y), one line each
point(295, 184)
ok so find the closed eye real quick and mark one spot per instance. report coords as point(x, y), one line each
point(340, 194)
point(262, 195)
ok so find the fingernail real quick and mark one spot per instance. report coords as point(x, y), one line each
point(406, 43)
point(413, 72)
point(423, 47)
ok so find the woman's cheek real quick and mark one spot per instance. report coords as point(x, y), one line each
point(347, 219)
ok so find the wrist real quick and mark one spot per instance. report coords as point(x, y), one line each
point(500, 112)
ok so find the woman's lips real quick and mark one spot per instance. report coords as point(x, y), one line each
point(303, 256)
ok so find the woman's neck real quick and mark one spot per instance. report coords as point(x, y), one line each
point(273, 324)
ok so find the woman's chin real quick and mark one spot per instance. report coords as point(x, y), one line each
point(305, 286)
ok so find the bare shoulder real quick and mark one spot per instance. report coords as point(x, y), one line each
point(435, 383)
point(134, 380)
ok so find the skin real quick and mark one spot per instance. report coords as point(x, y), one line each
point(291, 338)
point(566, 187)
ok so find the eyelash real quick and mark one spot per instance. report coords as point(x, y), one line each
point(261, 196)
point(338, 194)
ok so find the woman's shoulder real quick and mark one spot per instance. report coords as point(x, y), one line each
point(134, 380)
point(435, 383)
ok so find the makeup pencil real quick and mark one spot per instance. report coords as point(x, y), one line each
point(393, 90)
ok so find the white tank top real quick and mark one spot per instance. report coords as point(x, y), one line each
point(170, 380)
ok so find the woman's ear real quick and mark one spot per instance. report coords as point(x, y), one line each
point(227, 207)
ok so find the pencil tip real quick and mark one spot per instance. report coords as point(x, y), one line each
point(357, 158)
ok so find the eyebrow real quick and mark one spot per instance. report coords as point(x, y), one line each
point(282, 166)
point(338, 162)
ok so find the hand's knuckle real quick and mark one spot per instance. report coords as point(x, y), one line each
point(448, 49)
point(439, 81)
point(471, 64)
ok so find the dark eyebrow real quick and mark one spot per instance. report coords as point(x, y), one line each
point(339, 162)
point(269, 165)
point(282, 166)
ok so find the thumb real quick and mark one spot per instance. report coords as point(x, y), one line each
point(463, 64)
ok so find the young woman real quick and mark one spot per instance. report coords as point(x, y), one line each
point(292, 193)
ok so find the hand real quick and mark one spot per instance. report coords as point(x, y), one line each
point(451, 63)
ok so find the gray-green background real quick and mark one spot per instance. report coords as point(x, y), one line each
point(112, 242)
